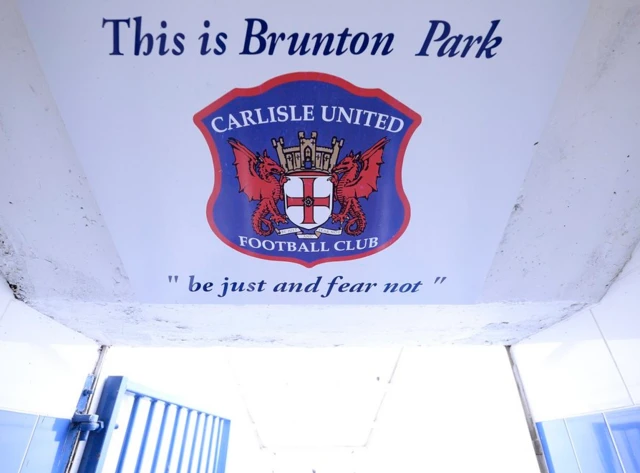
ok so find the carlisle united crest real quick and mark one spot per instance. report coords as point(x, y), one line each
point(308, 169)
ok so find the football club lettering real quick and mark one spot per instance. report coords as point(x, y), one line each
point(307, 169)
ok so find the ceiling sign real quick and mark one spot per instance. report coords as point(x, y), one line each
point(361, 152)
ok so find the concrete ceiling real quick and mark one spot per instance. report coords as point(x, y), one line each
point(571, 231)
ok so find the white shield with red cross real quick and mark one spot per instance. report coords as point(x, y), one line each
point(308, 198)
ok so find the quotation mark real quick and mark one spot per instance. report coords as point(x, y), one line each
point(173, 278)
point(438, 279)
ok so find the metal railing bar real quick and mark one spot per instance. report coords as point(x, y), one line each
point(173, 437)
point(221, 462)
point(194, 442)
point(214, 422)
point(163, 424)
point(145, 436)
point(202, 442)
point(184, 441)
point(217, 451)
point(127, 435)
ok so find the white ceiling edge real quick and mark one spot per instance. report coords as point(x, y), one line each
point(308, 326)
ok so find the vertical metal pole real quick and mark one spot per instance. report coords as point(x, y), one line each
point(193, 443)
point(145, 436)
point(173, 436)
point(184, 440)
point(221, 462)
point(156, 455)
point(533, 432)
point(109, 405)
point(214, 434)
point(75, 447)
point(217, 451)
point(127, 435)
point(202, 441)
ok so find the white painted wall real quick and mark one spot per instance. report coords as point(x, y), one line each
point(38, 164)
point(578, 216)
point(552, 258)
point(346, 410)
point(589, 362)
point(43, 365)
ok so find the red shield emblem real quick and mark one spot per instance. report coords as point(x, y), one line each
point(308, 199)
point(308, 156)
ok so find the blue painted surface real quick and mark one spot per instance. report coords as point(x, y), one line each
point(599, 443)
point(33, 444)
point(182, 437)
point(47, 452)
point(593, 444)
point(557, 447)
point(625, 428)
point(15, 434)
point(231, 211)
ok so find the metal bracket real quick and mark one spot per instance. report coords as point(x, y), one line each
point(86, 423)
point(85, 396)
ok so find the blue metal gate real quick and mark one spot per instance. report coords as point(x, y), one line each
point(145, 432)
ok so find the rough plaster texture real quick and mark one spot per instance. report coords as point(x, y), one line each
point(578, 217)
point(571, 231)
point(315, 326)
point(53, 241)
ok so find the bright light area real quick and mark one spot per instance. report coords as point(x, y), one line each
point(295, 410)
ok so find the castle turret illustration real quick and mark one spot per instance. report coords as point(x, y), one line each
point(307, 156)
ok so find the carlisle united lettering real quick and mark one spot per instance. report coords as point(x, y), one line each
point(306, 113)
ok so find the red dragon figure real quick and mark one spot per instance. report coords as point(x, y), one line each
point(359, 179)
point(257, 177)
